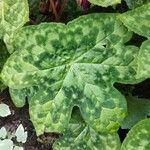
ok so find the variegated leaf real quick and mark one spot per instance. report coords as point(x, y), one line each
point(60, 66)
point(105, 3)
point(79, 136)
point(138, 20)
point(138, 137)
point(13, 15)
point(136, 3)
point(3, 57)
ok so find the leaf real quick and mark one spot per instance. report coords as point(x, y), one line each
point(3, 57)
point(136, 3)
point(142, 63)
point(138, 137)
point(81, 136)
point(6, 144)
point(137, 20)
point(4, 110)
point(3, 133)
point(61, 66)
point(13, 15)
point(18, 148)
point(138, 109)
point(21, 134)
point(105, 3)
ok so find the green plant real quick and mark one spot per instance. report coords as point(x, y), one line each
point(58, 67)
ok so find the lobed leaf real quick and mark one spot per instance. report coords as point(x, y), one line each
point(105, 3)
point(138, 137)
point(138, 20)
point(79, 136)
point(60, 66)
point(13, 15)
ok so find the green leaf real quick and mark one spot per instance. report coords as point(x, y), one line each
point(79, 136)
point(3, 57)
point(137, 20)
point(142, 62)
point(13, 15)
point(3, 133)
point(138, 137)
point(105, 3)
point(136, 3)
point(62, 66)
point(138, 109)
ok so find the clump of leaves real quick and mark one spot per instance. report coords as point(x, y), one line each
point(57, 67)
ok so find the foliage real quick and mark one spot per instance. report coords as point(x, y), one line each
point(136, 3)
point(58, 67)
point(105, 3)
point(6, 139)
point(138, 137)
point(138, 109)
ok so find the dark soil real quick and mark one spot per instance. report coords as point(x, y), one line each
point(21, 116)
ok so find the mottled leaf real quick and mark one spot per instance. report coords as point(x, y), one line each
point(13, 15)
point(60, 66)
point(80, 136)
point(138, 20)
point(138, 109)
point(138, 137)
point(3, 57)
point(136, 3)
point(105, 3)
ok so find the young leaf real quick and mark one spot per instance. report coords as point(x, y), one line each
point(3, 133)
point(18, 148)
point(21, 134)
point(4, 110)
point(138, 137)
point(105, 3)
point(3, 57)
point(62, 66)
point(6, 144)
point(138, 20)
point(138, 109)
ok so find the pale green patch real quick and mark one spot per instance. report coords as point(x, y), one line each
point(105, 3)
point(138, 137)
point(58, 66)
